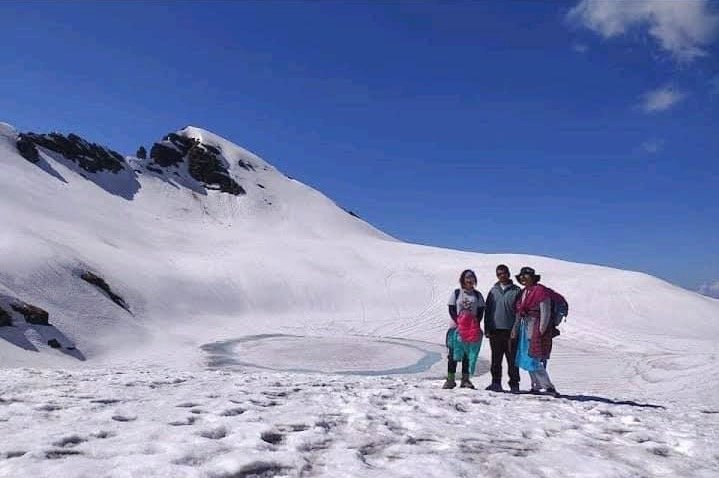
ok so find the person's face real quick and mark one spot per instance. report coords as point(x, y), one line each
point(469, 281)
point(526, 279)
point(503, 275)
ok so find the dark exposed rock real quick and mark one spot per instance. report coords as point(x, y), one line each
point(154, 169)
point(33, 314)
point(212, 149)
point(54, 343)
point(100, 283)
point(141, 152)
point(205, 166)
point(182, 143)
point(204, 162)
point(27, 149)
point(245, 165)
point(353, 214)
point(5, 318)
point(165, 155)
point(89, 156)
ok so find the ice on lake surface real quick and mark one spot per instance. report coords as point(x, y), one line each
point(340, 355)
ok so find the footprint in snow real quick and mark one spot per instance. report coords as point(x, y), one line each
point(232, 412)
point(660, 450)
point(330, 421)
point(105, 401)
point(410, 440)
point(264, 403)
point(57, 454)
point(272, 437)
point(314, 446)
point(123, 418)
point(69, 441)
point(214, 433)
point(275, 394)
point(186, 422)
point(194, 459)
point(293, 427)
point(14, 454)
point(259, 469)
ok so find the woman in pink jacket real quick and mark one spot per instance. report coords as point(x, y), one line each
point(534, 330)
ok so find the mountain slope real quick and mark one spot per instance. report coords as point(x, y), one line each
point(196, 264)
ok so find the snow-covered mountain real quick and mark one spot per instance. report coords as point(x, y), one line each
point(204, 241)
point(204, 255)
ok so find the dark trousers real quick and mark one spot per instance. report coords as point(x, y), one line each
point(452, 364)
point(502, 347)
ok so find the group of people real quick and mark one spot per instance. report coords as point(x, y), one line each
point(518, 323)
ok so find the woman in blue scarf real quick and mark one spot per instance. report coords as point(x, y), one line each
point(464, 338)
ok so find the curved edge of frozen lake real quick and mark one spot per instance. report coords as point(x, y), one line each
point(350, 355)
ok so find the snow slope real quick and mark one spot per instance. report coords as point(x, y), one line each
point(233, 303)
point(197, 266)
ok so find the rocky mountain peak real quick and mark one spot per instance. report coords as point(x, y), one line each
point(180, 151)
point(89, 156)
point(205, 162)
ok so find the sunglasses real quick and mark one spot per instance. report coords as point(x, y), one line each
point(470, 279)
point(502, 273)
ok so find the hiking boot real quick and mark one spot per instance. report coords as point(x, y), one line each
point(535, 391)
point(514, 388)
point(494, 387)
point(449, 384)
point(465, 383)
point(552, 392)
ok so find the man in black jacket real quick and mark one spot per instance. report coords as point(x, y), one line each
point(499, 319)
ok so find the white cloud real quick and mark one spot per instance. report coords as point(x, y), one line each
point(661, 99)
point(712, 290)
point(682, 28)
point(652, 146)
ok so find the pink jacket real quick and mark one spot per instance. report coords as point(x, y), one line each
point(540, 346)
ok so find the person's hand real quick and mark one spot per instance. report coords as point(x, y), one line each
point(513, 334)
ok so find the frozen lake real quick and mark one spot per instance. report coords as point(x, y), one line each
point(336, 355)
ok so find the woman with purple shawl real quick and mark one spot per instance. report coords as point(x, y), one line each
point(535, 330)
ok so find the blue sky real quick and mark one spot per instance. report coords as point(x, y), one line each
point(582, 131)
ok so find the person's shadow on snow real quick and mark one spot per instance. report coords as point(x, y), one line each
point(593, 398)
point(27, 336)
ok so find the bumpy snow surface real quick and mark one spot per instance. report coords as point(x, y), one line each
point(173, 423)
point(274, 334)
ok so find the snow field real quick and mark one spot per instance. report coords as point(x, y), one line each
point(163, 422)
